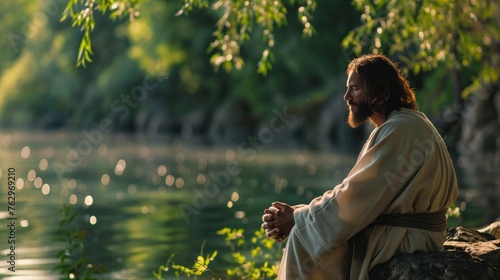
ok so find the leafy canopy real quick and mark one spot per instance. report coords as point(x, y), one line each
point(427, 34)
point(237, 21)
point(424, 34)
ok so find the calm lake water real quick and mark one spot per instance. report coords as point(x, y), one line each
point(142, 199)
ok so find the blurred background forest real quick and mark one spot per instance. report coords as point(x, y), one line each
point(42, 89)
point(132, 139)
point(164, 60)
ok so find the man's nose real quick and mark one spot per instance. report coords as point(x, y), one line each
point(347, 96)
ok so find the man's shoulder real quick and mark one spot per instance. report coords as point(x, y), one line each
point(405, 114)
point(406, 123)
point(408, 118)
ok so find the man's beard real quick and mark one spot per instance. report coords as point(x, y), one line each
point(361, 114)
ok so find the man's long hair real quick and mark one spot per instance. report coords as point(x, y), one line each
point(386, 88)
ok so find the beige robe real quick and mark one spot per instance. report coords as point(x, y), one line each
point(404, 167)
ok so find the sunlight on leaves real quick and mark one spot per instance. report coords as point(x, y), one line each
point(237, 22)
point(248, 262)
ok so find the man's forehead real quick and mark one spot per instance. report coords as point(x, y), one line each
point(354, 79)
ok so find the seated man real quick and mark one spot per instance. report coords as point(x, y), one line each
point(393, 201)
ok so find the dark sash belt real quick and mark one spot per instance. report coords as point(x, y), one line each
point(431, 221)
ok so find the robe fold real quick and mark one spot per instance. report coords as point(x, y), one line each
point(404, 167)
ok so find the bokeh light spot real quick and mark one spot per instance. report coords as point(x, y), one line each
point(105, 179)
point(88, 200)
point(24, 223)
point(93, 220)
point(169, 180)
point(239, 214)
point(46, 189)
point(73, 199)
point(72, 184)
point(38, 182)
point(162, 170)
point(201, 179)
point(25, 152)
point(32, 175)
point(20, 183)
point(235, 196)
point(120, 167)
point(43, 164)
point(179, 183)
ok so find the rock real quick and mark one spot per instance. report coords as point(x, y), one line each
point(468, 254)
point(463, 234)
point(492, 229)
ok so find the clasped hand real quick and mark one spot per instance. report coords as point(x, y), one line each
point(278, 221)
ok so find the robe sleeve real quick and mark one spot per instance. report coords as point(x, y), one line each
point(375, 180)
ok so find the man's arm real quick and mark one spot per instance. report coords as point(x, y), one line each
point(332, 219)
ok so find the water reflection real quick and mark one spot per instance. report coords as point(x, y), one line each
point(131, 193)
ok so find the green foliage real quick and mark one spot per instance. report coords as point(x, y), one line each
point(39, 83)
point(12, 28)
point(453, 212)
point(39, 87)
point(435, 93)
point(252, 262)
point(81, 13)
point(72, 263)
point(237, 22)
point(256, 258)
point(454, 216)
point(429, 33)
point(199, 267)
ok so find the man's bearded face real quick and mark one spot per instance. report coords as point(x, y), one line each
point(359, 110)
point(358, 113)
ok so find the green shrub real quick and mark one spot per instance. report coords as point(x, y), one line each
point(72, 263)
point(253, 258)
